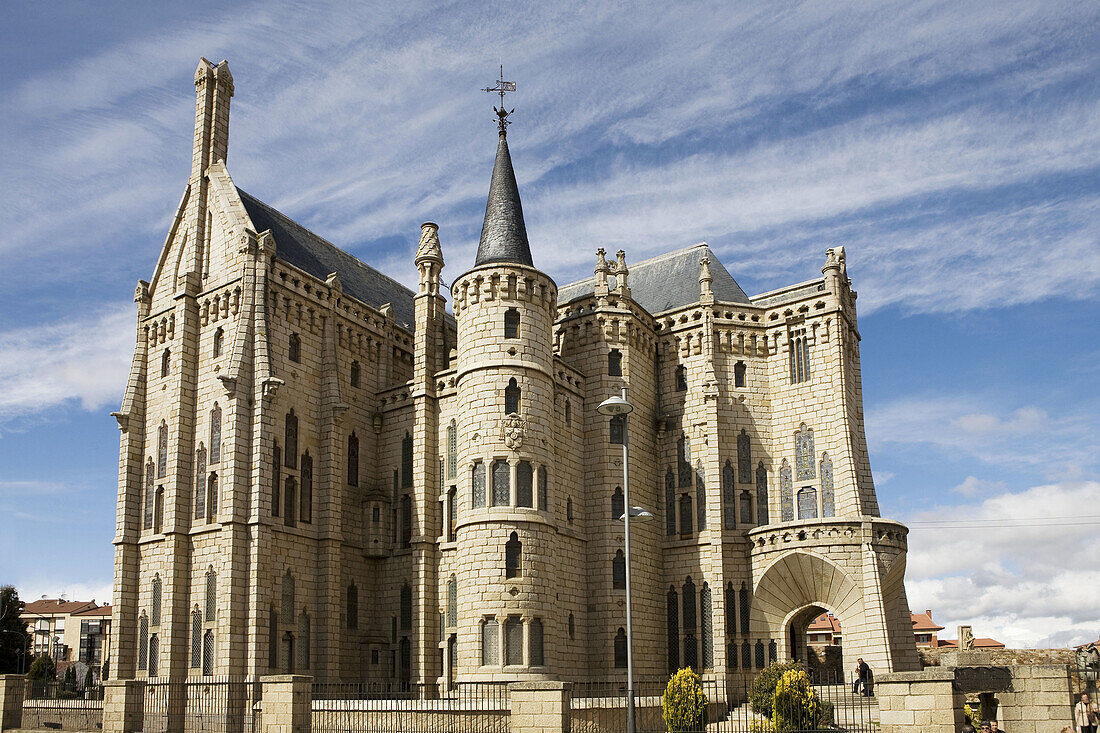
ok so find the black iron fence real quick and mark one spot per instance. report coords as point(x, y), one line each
point(210, 705)
point(61, 705)
point(372, 707)
point(600, 707)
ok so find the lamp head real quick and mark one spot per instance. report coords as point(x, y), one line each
point(614, 406)
point(637, 514)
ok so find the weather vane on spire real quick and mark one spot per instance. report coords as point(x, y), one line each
point(502, 87)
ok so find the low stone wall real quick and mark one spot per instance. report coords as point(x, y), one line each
point(1002, 657)
point(63, 714)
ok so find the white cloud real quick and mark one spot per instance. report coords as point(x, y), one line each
point(1018, 566)
point(32, 588)
point(85, 360)
point(972, 486)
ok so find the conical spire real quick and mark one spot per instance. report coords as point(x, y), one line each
point(503, 235)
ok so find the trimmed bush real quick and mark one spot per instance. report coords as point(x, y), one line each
point(764, 684)
point(795, 705)
point(684, 704)
point(43, 668)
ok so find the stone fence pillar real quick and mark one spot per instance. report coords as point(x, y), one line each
point(11, 701)
point(286, 704)
point(923, 701)
point(123, 706)
point(540, 707)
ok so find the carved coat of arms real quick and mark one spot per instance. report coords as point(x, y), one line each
point(512, 429)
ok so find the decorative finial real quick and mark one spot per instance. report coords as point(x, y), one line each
point(502, 87)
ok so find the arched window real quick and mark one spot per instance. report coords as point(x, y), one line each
point(305, 513)
point(158, 511)
point(700, 496)
point(490, 642)
point(208, 652)
point(477, 485)
point(672, 609)
point(452, 450)
point(212, 497)
point(406, 614)
point(165, 362)
point(143, 641)
point(618, 429)
point(759, 654)
point(196, 639)
point(303, 640)
point(804, 453)
point(670, 503)
point(828, 498)
point(614, 363)
point(513, 641)
point(524, 479)
point(707, 626)
point(761, 495)
point(211, 595)
point(352, 607)
point(290, 440)
point(620, 649)
point(786, 493)
point(353, 460)
point(162, 450)
point(452, 602)
point(746, 655)
point(744, 458)
point(739, 374)
point(511, 397)
point(681, 379)
point(501, 483)
point(729, 497)
point(798, 350)
point(511, 323)
point(290, 501)
point(217, 350)
point(807, 502)
point(295, 350)
point(773, 651)
point(618, 571)
point(691, 651)
point(534, 642)
point(544, 490)
point(690, 607)
point(513, 553)
point(272, 637)
point(406, 521)
point(746, 507)
point(154, 655)
point(618, 507)
point(744, 609)
point(215, 434)
point(452, 514)
point(150, 492)
point(407, 461)
point(286, 614)
point(731, 612)
point(355, 374)
point(683, 460)
point(200, 483)
point(276, 479)
point(287, 653)
point(686, 529)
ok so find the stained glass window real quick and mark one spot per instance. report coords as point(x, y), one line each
point(731, 609)
point(686, 527)
point(306, 512)
point(744, 609)
point(729, 494)
point(452, 449)
point(804, 453)
point(477, 485)
point(759, 654)
point(700, 496)
point(683, 460)
point(155, 603)
point(618, 429)
point(211, 595)
point(689, 605)
point(524, 476)
point(535, 643)
point(707, 624)
point(200, 482)
point(143, 641)
point(786, 493)
point(290, 440)
point(691, 651)
point(303, 640)
point(744, 458)
point(154, 655)
point(615, 363)
point(672, 610)
point(670, 503)
point(353, 460)
point(490, 642)
point(276, 479)
point(828, 499)
point(288, 598)
point(150, 490)
point(208, 652)
point(544, 490)
point(215, 434)
point(501, 481)
point(196, 639)
point(761, 495)
point(511, 323)
point(452, 602)
point(162, 450)
point(807, 503)
point(290, 501)
point(407, 462)
point(513, 641)
point(746, 507)
point(406, 521)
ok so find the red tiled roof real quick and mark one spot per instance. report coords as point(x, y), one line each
point(104, 610)
point(57, 606)
point(979, 643)
point(1091, 643)
point(924, 622)
point(826, 622)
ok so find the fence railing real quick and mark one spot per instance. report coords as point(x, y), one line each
point(210, 705)
point(372, 707)
point(62, 705)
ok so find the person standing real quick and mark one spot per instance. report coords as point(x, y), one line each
point(856, 677)
point(866, 678)
point(1086, 715)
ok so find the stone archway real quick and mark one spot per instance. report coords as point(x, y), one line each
point(824, 660)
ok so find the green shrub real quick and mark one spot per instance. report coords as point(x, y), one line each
point(764, 684)
point(88, 679)
point(826, 713)
point(684, 705)
point(43, 668)
point(795, 705)
point(973, 716)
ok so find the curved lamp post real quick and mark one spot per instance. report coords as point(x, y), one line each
point(619, 407)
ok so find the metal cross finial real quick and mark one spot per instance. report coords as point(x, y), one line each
point(502, 87)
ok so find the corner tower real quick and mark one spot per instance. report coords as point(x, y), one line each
point(505, 528)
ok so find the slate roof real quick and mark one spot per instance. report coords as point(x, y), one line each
point(503, 233)
point(668, 281)
point(302, 248)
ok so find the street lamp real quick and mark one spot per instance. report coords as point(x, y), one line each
point(618, 407)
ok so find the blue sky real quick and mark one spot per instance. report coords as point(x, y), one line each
point(953, 148)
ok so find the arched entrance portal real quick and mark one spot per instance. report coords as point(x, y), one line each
point(813, 639)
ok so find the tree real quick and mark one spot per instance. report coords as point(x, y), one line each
point(88, 680)
point(13, 631)
point(684, 705)
point(762, 692)
point(43, 668)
